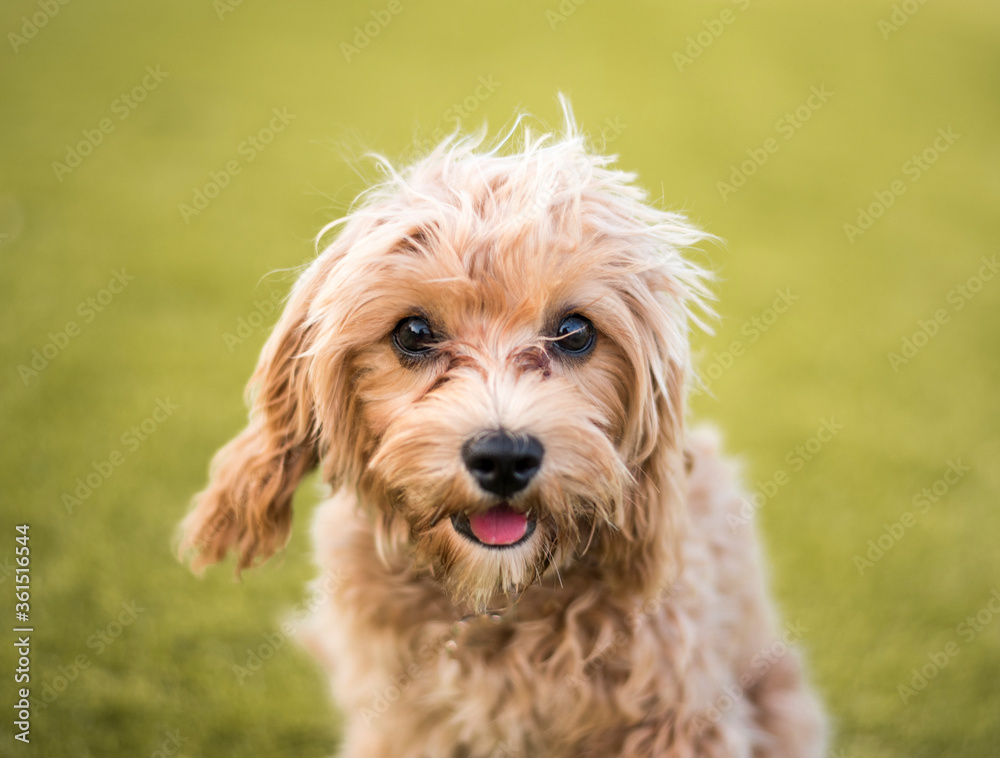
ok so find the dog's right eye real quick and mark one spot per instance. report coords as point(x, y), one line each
point(413, 336)
point(575, 335)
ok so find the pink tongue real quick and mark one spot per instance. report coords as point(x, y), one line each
point(499, 525)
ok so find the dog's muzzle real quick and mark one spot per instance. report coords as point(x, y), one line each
point(502, 464)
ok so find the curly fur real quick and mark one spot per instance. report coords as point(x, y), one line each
point(634, 620)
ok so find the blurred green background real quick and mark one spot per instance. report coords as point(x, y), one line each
point(137, 656)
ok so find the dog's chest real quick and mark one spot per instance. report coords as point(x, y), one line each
point(513, 683)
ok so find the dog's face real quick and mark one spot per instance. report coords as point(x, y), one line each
point(493, 353)
point(493, 389)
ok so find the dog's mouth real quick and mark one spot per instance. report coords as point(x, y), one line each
point(499, 527)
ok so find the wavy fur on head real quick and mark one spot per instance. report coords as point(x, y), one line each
point(630, 562)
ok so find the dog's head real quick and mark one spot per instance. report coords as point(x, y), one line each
point(493, 352)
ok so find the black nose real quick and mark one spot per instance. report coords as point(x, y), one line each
point(502, 463)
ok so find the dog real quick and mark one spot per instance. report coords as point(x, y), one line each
point(526, 552)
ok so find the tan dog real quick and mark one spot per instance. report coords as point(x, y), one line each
point(490, 363)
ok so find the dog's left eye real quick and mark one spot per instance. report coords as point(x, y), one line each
point(575, 335)
point(413, 336)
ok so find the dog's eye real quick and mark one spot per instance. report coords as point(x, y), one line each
point(575, 335)
point(413, 336)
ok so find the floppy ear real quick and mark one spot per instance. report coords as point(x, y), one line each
point(247, 506)
point(656, 521)
point(643, 553)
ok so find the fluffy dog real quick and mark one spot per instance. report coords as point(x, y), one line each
point(532, 556)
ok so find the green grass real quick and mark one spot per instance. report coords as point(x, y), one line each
point(170, 671)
